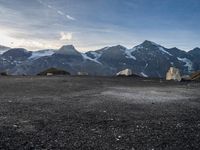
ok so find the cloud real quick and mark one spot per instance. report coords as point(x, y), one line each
point(65, 36)
point(59, 12)
point(49, 6)
point(67, 16)
point(30, 44)
point(70, 17)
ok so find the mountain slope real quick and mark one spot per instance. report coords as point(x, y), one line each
point(195, 54)
point(3, 49)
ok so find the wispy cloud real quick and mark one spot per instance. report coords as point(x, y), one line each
point(59, 12)
point(70, 17)
point(37, 24)
point(67, 16)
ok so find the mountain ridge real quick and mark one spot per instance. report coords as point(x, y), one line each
point(2, 46)
point(146, 59)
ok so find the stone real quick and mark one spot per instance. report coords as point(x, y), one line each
point(173, 74)
point(126, 72)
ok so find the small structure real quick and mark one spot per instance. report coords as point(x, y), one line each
point(173, 74)
point(126, 72)
point(82, 74)
point(49, 74)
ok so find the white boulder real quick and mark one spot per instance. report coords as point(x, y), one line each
point(126, 72)
point(173, 74)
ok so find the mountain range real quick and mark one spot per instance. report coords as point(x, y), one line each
point(147, 59)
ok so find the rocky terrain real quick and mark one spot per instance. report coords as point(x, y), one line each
point(147, 59)
point(98, 113)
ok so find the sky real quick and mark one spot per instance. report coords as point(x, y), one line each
point(93, 24)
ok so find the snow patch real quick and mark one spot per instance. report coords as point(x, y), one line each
point(89, 58)
point(188, 63)
point(164, 51)
point(138, 47)
point(146, 65)
point(38, 54)
point(3, 51)
point(144, 75)
point(128, 53)
point(96, 55)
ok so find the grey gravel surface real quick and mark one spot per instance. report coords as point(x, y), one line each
point(96, 113)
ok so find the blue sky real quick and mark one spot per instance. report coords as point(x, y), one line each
point(93, 24)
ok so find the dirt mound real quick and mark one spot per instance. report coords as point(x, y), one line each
point(3, 74)
point(53, 71)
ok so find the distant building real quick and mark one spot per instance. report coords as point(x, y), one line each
point(49, 74)
point(173, 74)
point(82, 74)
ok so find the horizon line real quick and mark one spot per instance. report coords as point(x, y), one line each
point(84, 51)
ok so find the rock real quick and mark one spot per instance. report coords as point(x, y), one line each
point(126, 72)
point(173, 74)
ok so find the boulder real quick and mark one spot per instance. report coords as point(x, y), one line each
point(173, 74)
point(126, 72)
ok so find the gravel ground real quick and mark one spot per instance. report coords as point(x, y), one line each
point(96, 113)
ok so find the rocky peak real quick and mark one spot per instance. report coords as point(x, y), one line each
point(68, 50)
point(17, 54)
point(147, 43)
point(195, 51)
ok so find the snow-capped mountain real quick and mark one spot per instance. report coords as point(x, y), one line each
point(147, 59)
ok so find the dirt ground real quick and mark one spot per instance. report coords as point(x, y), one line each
point(96, 113)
